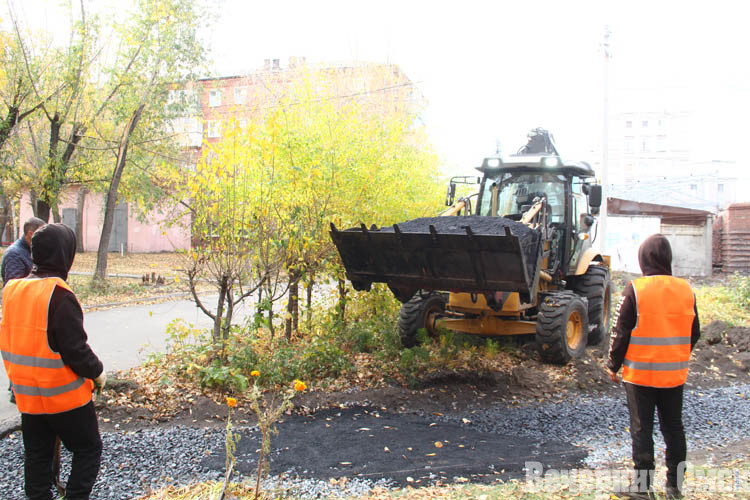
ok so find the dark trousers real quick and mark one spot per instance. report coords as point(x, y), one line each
point(79, 431)
point(668, 402)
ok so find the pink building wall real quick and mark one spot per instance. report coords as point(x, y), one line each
point(152, 236)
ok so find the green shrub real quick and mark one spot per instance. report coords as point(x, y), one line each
point(222, 376)
point(740, 287)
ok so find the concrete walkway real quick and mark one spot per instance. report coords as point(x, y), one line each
point(123, 338)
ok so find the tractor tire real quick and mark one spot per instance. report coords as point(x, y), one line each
point(562, 327)
point(415, 314)
point(596, 286)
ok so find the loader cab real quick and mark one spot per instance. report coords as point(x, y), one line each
point(511, 185)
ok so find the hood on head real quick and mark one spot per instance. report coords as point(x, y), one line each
point(53, 248)
point(655, 256)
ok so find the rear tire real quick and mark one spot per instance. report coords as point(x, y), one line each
point(596, 286)
point(562, 327)
point(415, 315)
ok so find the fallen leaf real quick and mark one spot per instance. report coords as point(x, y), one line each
point(438, 444)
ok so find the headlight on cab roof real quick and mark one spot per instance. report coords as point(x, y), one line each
point(551, 161)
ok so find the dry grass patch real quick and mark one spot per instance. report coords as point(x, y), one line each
point(166, 264)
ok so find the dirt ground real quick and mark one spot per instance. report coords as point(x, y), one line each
point(721, 357)
point(395, 432)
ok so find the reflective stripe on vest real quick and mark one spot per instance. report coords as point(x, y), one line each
point(41, 381)
point(659, 349)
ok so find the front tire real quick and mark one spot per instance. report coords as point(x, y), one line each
point(562, 327)
point(596, 286)
point(415, 315)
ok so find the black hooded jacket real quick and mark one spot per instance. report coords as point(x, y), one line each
point(654, 258)
point(53, 248)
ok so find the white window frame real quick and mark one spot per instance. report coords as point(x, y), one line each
point(629, 144)
point(213, 129)
point(214, 98)
point(240, 95)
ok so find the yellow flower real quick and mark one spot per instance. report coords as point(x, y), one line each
point(231, 402)
point(255, 373)
point(299, 386)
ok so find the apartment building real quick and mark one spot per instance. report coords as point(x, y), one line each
point(210, 104)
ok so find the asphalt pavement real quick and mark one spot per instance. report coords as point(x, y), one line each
point(122, 338)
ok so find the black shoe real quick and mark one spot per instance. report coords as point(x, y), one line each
point(672, 492)
point(627, 495)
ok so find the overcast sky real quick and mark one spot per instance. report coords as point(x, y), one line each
point(495, 69)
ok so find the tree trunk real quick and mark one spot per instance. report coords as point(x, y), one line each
point(292, 308)
point(57, 167)
point(80, 205)
point(50, 186)
point(7, 124)
point(308, 319)
point(230, 311)
point(42, 210)
point(270, 322)
point(223, 286)
point(342, 299)
point(100, 273)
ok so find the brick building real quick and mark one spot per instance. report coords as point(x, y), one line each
point(210, 103)
point(731, 239)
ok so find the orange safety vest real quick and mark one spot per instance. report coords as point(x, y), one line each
point(659, 348)
point(41, 382)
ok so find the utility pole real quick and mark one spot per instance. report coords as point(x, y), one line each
point(605, 142)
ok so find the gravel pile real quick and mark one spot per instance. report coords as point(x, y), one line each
point(712, 418)
point(528, 238)
point(136, 462)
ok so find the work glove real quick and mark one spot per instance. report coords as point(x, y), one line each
point(100, 382)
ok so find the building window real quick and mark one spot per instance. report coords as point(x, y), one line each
point(174, 96)
point(661, 123)
point(214, 98)
point(628, 123)
point(195, 132)
point(661, 143)
point(240, 95)
point(644, 123)
point(693, 187)
point(645, 144)
point(629, 144)
point(720, 188)
point(214, 129)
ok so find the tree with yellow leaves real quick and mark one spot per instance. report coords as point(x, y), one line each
point(263, 198)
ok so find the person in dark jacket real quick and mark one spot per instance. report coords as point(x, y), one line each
point(52, 368)
point(17, 258)
point(16, 261)
point(656, 328)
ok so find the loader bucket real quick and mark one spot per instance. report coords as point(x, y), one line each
point(475, 254)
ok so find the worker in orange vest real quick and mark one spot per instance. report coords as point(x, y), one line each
point(656, 328)
point(51, 367)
